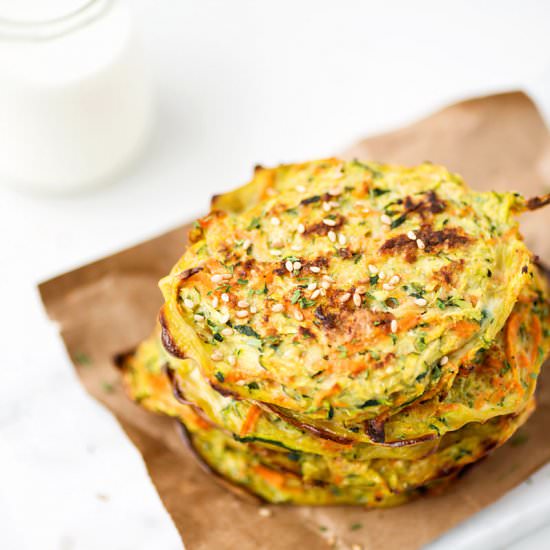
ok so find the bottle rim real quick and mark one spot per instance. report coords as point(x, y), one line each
point(55, 27)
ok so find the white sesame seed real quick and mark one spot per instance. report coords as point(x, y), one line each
point(188, 303)
point(411, 235)
point(357, 299)
point(325, 284)
point(297, 266)
point(393, 326)
point(198, 317)
point(420, 301)
point(331, 236)
point(225, 297)
point(301, 228)
point(215, 302)
point(296, 247)
point(275, 252)
point(315, 294)
point(315, 269)
point(224, 318)
point(253, 309)
point(361, 289)
point(342, 239)
point(275, 221)
point(381, 276)
point(312, 286)
point(384, 218)
point(420, 244)
point(300, 189)
point(217, 356)
point(373, 269)
point(444, 360)
point(395, 279)
point(298, 315)
point(241, 313)
point(243, 304)
point(326, 206)
point(277, 308)
point(387, 286)
point(226, 276)
point(264, 512)
point(227, 331)
point(344, 297)
point(335, 191)
point(246, 243)
point(217, 278)
point(329, 222)
point(289, 267)
point(231, 360)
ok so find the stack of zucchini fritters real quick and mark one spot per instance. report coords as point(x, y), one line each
point(348, 333)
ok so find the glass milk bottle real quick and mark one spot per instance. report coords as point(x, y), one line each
point(75, 101)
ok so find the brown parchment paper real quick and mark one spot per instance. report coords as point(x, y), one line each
point(497, 142)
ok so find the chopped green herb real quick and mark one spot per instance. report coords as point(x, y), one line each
point(369, 403)
point(356, 526)
point(254, 224)
point(242, 281)
point(219, 376)
point(247, 331)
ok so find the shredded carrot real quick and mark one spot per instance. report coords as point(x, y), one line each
point(536, 334)
point(408, 321)
point(465, 329)
point(327, 393)
point(250, 420)
point(512, 328)
point(271, 476)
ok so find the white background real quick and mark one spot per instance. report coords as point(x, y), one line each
point(237, 83)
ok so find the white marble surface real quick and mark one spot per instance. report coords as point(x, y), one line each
point(238, 83)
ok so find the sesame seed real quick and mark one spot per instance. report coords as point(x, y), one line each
point(344, 297)
point(393, 326)
point(188, 303)
point(217, 356)
point(315, 294)
point(331, 236)
point(395, 279)
point(227, 331)
point(226, 276)
point(301, 228)
point(444, 360)
point(275, 252)
point(373, 269)
point(387, 286)
point(342, 239)
point(264, 512)
point(312, 286)
point(217, 278)
point(420, 244)
point(215, 301)
point(241, 313)
point(420, 301)
point(297, 266)
point(242, 304)
point(381, 276)
point(315, 269)
point(296, 247)
point(326, 206)
point(277, 308)
point(361, 289)
point(335, 191)
point(224, 318)
point(253, 309)
point(247, 243)
point(300, 189)
point(384, 218)
point(298, 315)
point(275, 221)
point(325, 284)
point(329, 222)
point(289, 267)
point(198, 317)
point(231, 360)
point(225, 297)
point(411, 235)
point(328, 278)
point(357, 299)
